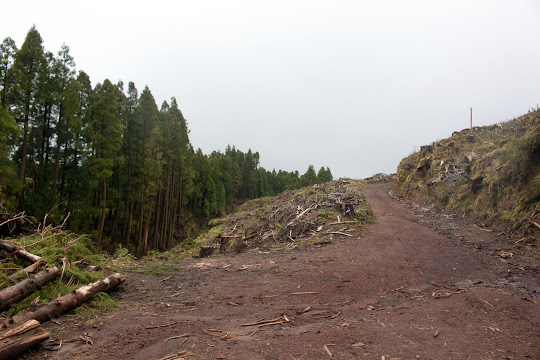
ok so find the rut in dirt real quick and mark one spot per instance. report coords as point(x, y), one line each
point(395, 289)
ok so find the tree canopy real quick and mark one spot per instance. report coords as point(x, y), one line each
point(109, 160)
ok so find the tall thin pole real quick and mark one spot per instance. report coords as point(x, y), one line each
point(471, 118)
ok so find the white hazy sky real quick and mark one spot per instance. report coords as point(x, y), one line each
point(353, 85)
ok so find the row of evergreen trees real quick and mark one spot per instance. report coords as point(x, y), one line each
point(121, 168)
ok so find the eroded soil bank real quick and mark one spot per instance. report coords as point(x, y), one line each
point(397, 288)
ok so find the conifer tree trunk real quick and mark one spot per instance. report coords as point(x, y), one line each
point(102, 216)
point(43, 142)
point(22, 174)
point(174, 206)
point(140, 240)
point(52, 200)
point(127, 232)
point(118, 205)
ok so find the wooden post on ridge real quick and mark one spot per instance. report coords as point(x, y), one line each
point(471, 118)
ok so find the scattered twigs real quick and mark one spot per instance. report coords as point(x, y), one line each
point(305, 293)
point(305, 211)
point(161, 326)
point(263, 322)
point(14, 218)
point(327, 350)
point(272, 323)
point(343, 222)
point(176, 356)
point(277, 321)
point(64, 266)
point(167, 278)
point(484, 229)
point(339, 233)
point(335, 316)
point(327, 316)
point(520, 240)
point(177, 337)
point(536, 224)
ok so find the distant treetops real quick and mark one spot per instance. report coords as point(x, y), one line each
point(119, 166)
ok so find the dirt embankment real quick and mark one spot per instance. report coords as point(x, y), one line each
point(396, 289)
point(491, 172)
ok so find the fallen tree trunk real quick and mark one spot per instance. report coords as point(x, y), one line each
point(26, 271)
point(25, 288)
point(67, 302)
point(21, 338)
point(20, 252)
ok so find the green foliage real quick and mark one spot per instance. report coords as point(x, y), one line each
point(8, 135)
point(123, 254)
point(310, 177)
point(102, 302)
point(324, 175)
point(161, 269)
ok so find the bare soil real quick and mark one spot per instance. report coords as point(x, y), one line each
point(415, 284)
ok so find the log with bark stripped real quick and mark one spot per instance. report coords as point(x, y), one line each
point(67, 302)
point(21, 338)
point(26, 287)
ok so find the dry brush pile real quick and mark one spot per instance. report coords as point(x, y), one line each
point(291, 217)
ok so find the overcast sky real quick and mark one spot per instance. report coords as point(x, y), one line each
point(353, 85)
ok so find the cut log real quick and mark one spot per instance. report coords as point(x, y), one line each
point(26, 287)
point(20, 252)
point(21, 338)
point(67, 302)
point(23, 273)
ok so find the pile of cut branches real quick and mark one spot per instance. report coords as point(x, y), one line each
point(292, 216)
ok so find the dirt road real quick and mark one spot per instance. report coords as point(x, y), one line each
point(396, 289)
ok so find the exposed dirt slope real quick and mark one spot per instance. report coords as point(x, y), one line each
point(491, 171)
point(397, 289)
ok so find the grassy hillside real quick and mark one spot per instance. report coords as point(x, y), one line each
point(492, 172)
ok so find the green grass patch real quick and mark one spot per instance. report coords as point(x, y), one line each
point(100, 303)
point(161, 269)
